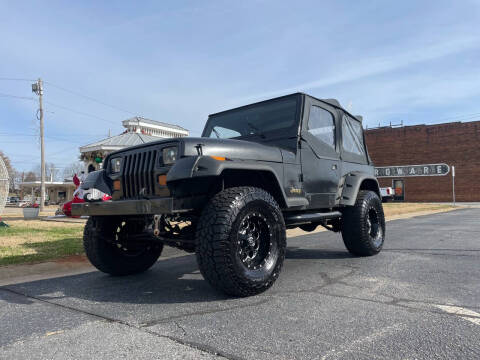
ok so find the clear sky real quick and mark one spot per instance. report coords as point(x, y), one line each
point(178, 61)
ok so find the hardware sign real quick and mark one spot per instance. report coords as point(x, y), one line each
point(412, 170)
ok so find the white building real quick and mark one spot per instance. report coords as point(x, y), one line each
point(138, 131)
point(56, 192)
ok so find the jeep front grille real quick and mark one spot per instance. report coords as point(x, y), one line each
point(138, 174)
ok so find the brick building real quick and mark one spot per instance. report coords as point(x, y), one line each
point(455, 144)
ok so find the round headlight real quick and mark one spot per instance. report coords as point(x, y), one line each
point(115, 165)
point(169, 155)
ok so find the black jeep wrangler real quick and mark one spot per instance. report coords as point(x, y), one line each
point(229, 196)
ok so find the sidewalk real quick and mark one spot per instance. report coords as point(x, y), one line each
point(72, 265)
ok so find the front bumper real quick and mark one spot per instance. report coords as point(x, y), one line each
point(165, 205)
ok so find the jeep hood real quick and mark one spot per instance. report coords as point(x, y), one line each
point(230, 148)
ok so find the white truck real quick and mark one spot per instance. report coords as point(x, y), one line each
point(387, 193)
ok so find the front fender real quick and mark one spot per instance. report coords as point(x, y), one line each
point(352, 184)
point(206, 166)
point(97, 180)
point(198, 166)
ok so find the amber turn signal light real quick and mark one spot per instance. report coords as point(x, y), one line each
point(162, 180)
point(219, 158)
point(116, 185)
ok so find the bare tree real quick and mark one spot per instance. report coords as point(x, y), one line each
point(31, 176)
point(51, 172)
point(74, 168)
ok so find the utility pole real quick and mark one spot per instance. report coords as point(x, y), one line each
point(37, 88)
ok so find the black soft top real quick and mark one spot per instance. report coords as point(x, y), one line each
point(332, 102)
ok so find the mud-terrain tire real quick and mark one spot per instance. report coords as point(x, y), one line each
point(241, 241)
point(363, 225)
point(104, 251)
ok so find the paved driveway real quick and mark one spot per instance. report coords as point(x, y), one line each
point(420, 298)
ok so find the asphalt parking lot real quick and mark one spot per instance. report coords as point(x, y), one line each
point(418, 299)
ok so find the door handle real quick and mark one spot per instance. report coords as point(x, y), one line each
point(334, 167)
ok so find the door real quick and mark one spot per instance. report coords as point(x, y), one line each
point(399, 188)
point(320, 156)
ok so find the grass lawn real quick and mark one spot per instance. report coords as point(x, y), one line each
point(396, 209)
point(35, 240)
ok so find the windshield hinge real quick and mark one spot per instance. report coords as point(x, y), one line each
point(199, 149)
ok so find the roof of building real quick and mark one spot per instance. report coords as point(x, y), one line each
point(445, 125)
point(153, 122)
point(120, 141)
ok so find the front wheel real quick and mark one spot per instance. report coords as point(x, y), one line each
point(241, 241)
point(363, 225)
point(108, 248)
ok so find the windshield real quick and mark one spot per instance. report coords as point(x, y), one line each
point(257, 120)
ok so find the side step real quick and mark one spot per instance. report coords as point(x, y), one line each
point(306, 218)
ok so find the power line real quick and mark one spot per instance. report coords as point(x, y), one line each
point(17, 97)
point(64, 107)
point(80, 112)
point(54, 137)
point(90, 98)
point(456, 117)
point(57, 164)
point(50, 158)
point(61, 151)
point(49, 155)
point(16, 79)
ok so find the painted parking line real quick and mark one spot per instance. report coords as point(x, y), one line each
point(465, 314)
point(353, 346)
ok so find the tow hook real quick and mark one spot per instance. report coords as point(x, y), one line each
point(156, 221)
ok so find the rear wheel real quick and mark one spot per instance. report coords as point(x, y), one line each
point(108, 248)
point(240, 241)
point(363, 225)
